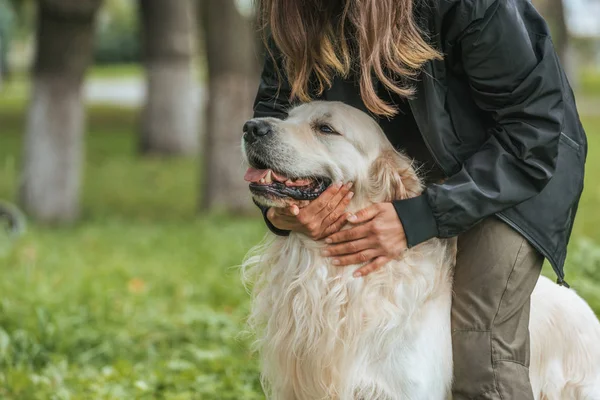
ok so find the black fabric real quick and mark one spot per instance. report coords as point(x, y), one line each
point(416, 215)
point(498, 117)
point(403, 132)
point(272, 228)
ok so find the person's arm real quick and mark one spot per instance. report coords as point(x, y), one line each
point(515, 78)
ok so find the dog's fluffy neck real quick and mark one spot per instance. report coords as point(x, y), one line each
point(316, 323)
point(310, 315)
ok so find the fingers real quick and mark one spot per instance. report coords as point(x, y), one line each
point(291, 211)
point(272, 213)
point(324, 199)
point(365, 214)
point(303, 203)
point(373, 266)
point(336, 226)
point(317, 217)
point(282, 218)
point(338, 204)
point(348, 248)
point(357, 258)
point(355, 233)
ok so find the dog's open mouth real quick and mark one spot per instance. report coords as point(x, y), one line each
point(270, 183)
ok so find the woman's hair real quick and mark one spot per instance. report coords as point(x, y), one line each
point(322, 38)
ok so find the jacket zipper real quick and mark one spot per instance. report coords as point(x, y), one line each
point(560, 276)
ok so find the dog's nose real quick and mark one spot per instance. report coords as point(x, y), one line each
point(254, 129)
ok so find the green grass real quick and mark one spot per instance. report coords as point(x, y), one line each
point(18, 85)
point(587, 223)
point(121, 71)
point(141, 299)
point(116, 71)
point(16, 89)
point(590, 82)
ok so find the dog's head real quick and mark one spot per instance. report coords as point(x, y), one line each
point(296, 159)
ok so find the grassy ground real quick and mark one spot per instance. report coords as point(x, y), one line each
point(141, 299)
point(17, 87)
point(590, 82)
point(116, 71)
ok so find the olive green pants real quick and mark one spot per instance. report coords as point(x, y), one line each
point(496, 271)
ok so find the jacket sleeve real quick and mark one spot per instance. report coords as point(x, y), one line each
point(515, 79)
point(272, 100)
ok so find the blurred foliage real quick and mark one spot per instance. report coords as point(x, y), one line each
point(116, 71)
point(7, 27)
point(117, 36)
point(587, 51)
point(585, 272)
point(590, 82)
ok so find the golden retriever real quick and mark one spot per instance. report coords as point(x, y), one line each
point(322, 334)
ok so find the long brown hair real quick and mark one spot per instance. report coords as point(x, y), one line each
point(323, 38)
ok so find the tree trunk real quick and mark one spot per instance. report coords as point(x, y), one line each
point(563, 42)
point(560, 34)
point(233, 72)
point(168, 125)
point(53, 151)
point(554, 13)
point(2, 69)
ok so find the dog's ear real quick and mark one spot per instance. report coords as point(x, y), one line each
point(392, 177)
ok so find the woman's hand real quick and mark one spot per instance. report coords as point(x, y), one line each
point(378, 240)
point(320, 218)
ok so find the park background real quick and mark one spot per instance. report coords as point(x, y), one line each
point(125, 286)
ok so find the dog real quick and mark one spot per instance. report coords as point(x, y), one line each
point(322, 334)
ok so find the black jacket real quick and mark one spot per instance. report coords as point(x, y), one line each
point(499, 118)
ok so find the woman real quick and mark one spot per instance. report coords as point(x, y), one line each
point(472, 90)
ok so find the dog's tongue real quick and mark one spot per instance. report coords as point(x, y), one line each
point(255, 175)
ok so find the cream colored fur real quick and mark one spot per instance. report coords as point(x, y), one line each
point(322, 334)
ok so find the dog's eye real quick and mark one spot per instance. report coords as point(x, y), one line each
point(324, 128)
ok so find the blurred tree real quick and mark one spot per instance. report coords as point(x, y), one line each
point(7, 16)
point(118, 33)
point(168, 120)
point(50, 180)
point(554, 13)
point(233, 70)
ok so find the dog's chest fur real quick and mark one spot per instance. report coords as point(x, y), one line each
point(324, 334)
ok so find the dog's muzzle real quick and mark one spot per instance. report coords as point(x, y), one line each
point(264, 177)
